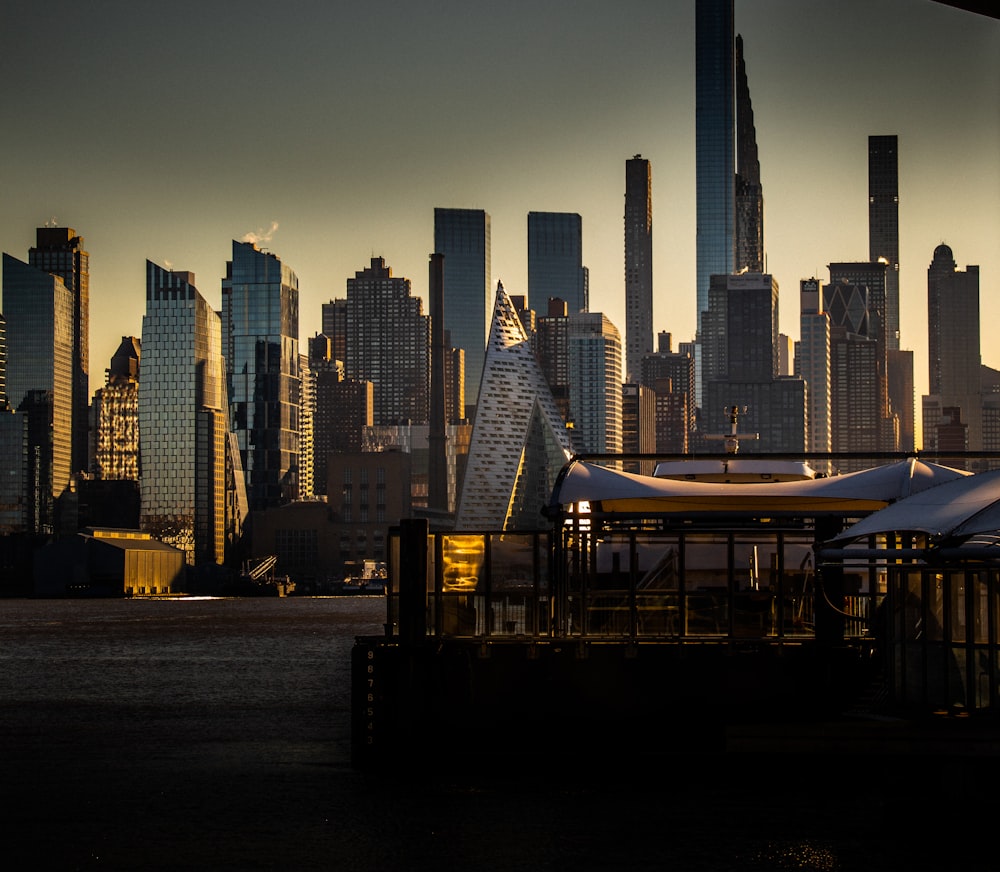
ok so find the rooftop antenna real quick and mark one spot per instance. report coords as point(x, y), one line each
point(732, 438)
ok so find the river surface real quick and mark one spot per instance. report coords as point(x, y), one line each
point(215, 734)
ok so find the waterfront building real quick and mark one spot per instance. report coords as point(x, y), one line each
point(116, 416)
point(13, 484)
point(519, 441)
point(183, 423)
point(388, 344)
point(40, 346)
point(463, 237)
point(638, 265)
point(555, 259)
point(260, 322)
point(59, 251)
point(953, 348)
point(595, 383)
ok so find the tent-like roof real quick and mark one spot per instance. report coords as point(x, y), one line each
point(953, 510)
point(854, 494)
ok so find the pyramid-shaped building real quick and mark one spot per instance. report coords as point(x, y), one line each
point(519, 440)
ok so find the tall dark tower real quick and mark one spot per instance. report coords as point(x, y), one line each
point(59, 251)
point(749, 243)
point(437, 462)
point(883, 224)
point(638, 265)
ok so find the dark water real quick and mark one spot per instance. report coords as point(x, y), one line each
point(215, 734)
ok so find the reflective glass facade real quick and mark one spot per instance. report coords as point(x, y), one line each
point(182, 421)
point(714, 141)
point(260, 314)
point(59, 250)
point(595, 383)
point(39, 311)
point(463, 237)
point(555, 260)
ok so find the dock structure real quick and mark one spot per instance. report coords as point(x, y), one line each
point(713, 607)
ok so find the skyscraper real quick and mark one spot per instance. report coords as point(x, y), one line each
point(729, 198)
point(40, 365)
point(715, 142)
point(595, 382)
point(883, 224)
point(638, 265)
point(555, 259)
point(463, 237)
point(182, 418)
point(953, 347)
point(260, 322)
point(59, 250)
point(388, 344)
point(812, 362)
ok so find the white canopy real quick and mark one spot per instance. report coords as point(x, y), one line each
point(858, 493)
point(956, 509)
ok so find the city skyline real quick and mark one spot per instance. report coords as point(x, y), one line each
point(152, 157)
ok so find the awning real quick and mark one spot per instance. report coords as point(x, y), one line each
point(609, 491)
point(953, 510)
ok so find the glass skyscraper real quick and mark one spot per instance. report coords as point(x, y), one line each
point(883, 223)
point(715, 142)
point(40, 339)
point(59, 250)
point(638, 265)
point(260, 317)
point(463, 237)
point(555, 260)
point(182, 421)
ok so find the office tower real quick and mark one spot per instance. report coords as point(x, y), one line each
point(519, 441)
point(748, 245)
point(552, 350)
point(388, 343)
point(812, 363)
point(40, 368)
point(595, 383)
point(638, 265)
point(437, 471)
point(260, 318)
point(855, 299)
point(899, 369)
point(59, 250)
point(883, 224)
point(13, 455)
point(953, 348)
point(344, 407)
point(740, 341)
point(463, 237)
point(555, 259)
point(3, 362)
point(116, 416)
point(183, 424)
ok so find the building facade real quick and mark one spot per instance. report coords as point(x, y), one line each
point(595, 383)
point(463, 237)
point(638, 265)
point(59, 251)
point(812, 362)
point(39, 310)
point(182, 418)
point(116, 416)
point(953, 348)
point(555, 259)
point(260, 322)
point(388, 344)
